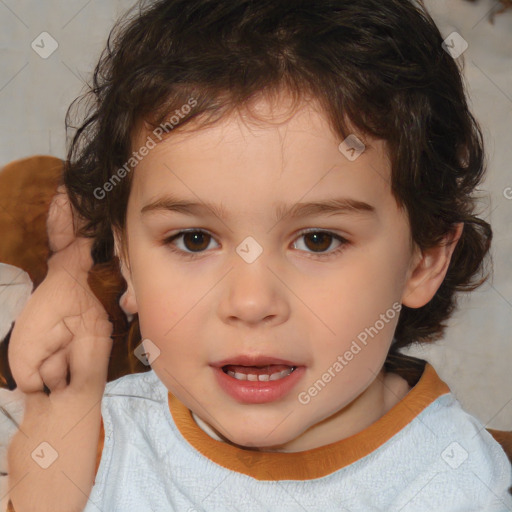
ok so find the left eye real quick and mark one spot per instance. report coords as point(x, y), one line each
point(320, 241)
point(197, 241)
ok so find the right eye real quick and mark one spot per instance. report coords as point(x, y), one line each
point(194, 241)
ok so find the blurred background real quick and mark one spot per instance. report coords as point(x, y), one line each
point(48, 50)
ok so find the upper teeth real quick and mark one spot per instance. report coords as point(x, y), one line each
point(263, 377)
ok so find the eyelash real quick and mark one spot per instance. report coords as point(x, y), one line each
point(191, 256)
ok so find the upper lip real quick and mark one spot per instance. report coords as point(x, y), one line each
point(256, 360)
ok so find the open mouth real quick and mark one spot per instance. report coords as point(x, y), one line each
point(265, 373)
point(257, 379)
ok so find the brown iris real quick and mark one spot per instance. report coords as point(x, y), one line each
point(321, 241)
point(198, 240)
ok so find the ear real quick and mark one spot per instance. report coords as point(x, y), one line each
point(127, 301)
point(429, 269)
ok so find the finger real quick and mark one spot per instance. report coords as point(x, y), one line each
point(75, 259)
point(89, 353)
point(26, 355)
point(54, 370)
point(60, 221)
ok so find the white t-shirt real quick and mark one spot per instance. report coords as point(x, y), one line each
point(425, 454)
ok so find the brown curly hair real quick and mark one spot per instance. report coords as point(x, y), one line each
point(376, 66)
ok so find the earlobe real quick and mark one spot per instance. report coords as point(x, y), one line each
point(127, 301)
point(429, 269)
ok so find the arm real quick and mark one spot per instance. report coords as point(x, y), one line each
point(52, 458)
point(62, 326)
point(10, 507)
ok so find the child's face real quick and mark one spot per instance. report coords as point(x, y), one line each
point(302, 300)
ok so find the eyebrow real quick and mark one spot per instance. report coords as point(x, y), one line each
point(335, 206)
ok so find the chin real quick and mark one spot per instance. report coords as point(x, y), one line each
point(257, 440)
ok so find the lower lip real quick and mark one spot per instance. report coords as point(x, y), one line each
point(256, 392)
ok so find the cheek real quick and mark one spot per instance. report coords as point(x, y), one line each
point(354, 296)
point(361, 310)
point(170, 308)
point(158, 296)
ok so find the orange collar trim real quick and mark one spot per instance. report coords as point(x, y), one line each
point(317, 462)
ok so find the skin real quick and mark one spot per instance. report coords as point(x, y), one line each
point(62, 326)
point(290, 303)
point(297, 301)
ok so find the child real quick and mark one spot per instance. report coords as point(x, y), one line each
point(257, 130)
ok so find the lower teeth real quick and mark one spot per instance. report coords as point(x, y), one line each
point(262, 378)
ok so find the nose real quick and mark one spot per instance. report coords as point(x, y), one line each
point(254, 294)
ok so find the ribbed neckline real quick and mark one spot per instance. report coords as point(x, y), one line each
point(317, 462)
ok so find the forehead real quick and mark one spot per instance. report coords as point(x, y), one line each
point(253, 160)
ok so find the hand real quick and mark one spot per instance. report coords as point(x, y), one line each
point(64, 424)
point(63, 328)
point(42, 334)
